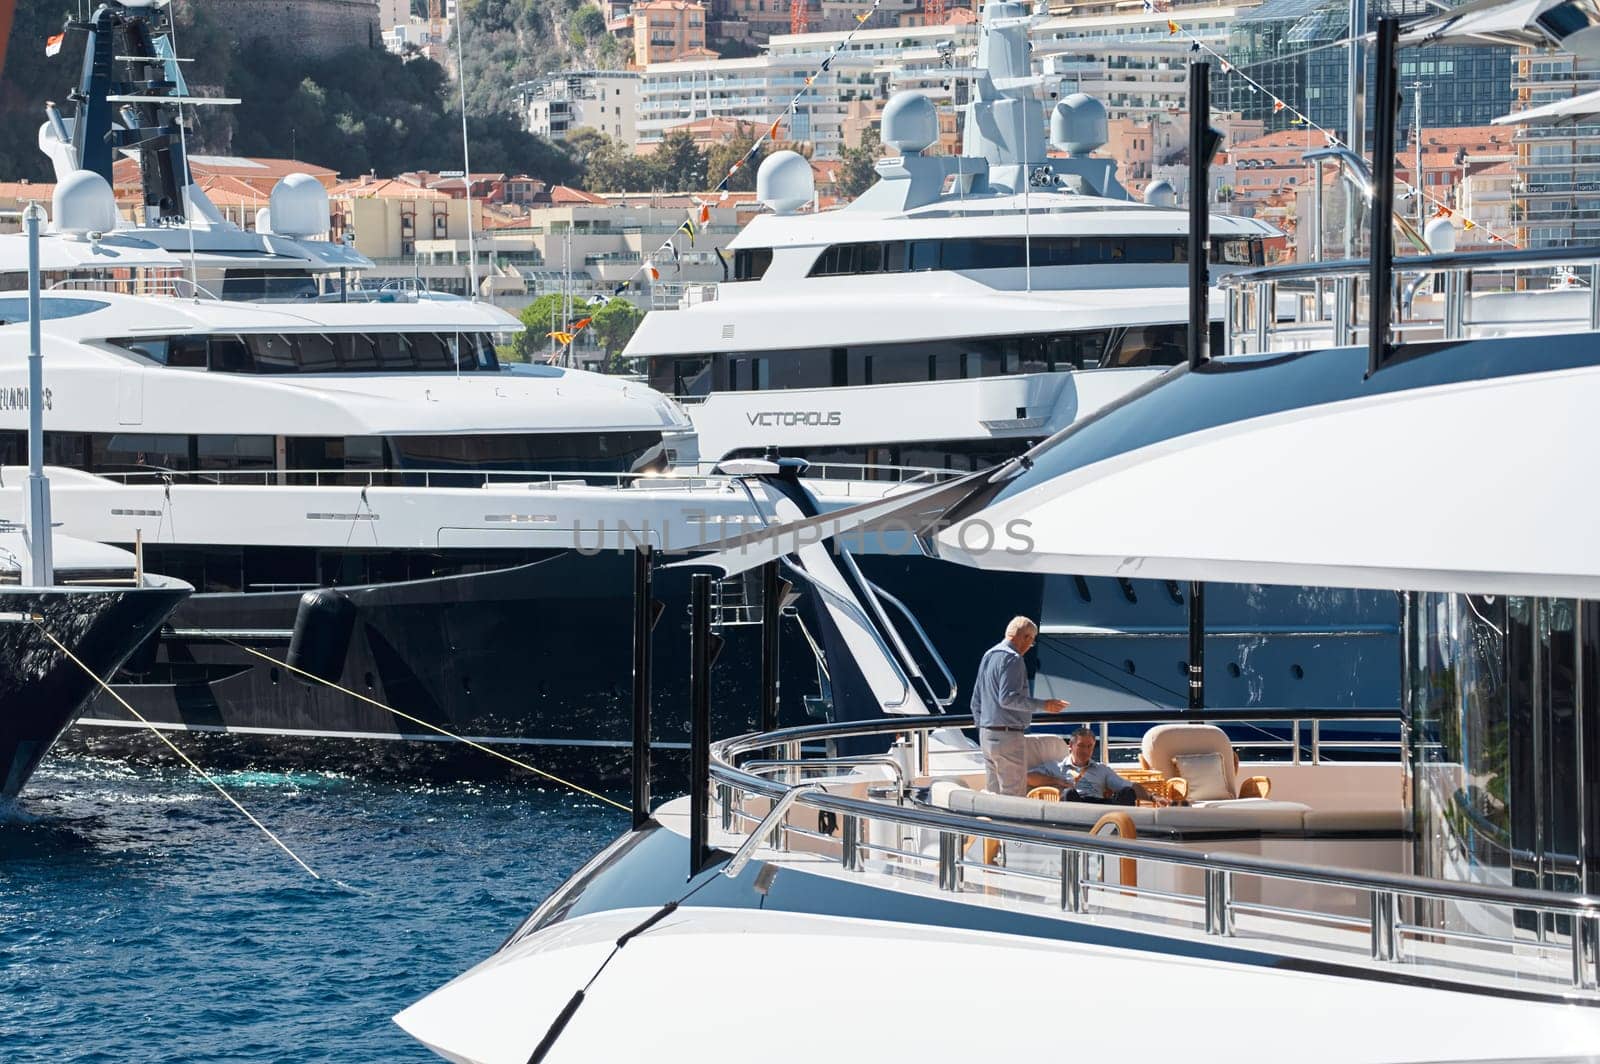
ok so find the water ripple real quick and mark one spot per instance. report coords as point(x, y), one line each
point(143, 920)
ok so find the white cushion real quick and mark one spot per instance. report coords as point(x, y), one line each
point(1204, 773)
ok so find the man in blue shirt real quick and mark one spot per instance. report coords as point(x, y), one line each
point(1081, 778)
point(1002, 708)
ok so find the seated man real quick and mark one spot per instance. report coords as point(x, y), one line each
point(1081, 778)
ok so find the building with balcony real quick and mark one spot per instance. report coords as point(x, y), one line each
point(603, 100)
point(753, 91)
point(1556, 189)
point(1129, 59)
point(666, 31)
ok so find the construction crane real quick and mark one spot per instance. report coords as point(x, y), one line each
point(799, 16)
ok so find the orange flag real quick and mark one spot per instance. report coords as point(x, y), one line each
point(773, 132)
point(1278, 105)
point(1172, 27)
point(581, 323)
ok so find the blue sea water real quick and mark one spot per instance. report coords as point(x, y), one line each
point(143, 919)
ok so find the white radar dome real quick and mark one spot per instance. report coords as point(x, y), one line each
point(299, 206)
point(784, 182)
point(1078, 124)
point(1160, 193)
point(263, 220)
point(910, 122)
point(83, 204)
point(1440, 236)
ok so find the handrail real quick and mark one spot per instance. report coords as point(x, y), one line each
point(850, 606)
point(1520, 258)
point(927, 642)
point(698, 474)
point(734, 746)
point(769, 823)
point(1062, 838)
point(1384, 890)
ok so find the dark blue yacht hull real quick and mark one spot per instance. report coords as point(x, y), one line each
point(537, 658)
point(42, 691)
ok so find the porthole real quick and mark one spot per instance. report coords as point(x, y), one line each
point(1234, 670)
point(1128, 664)
point(1297, 672)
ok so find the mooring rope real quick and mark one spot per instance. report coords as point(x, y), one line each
point(418, 720)
point(39, 622)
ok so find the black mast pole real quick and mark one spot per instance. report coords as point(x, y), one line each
point(700, 653)
point(644, 618)
point(1200, 145)
point(1199, 214)
point(1380, 281)
point(771, 601)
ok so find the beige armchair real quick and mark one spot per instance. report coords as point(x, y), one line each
point(1164, 744)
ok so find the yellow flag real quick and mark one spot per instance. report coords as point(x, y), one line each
point(1172, 27)
point(1468, 223)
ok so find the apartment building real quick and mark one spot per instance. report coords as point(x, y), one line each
point(666, 31)
point(875, 64)
point(603, 100)
point(1127, 56)
point(1556, 183)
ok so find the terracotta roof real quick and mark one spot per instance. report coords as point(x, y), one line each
point(24, 191)
point(1497, 168)
point(565, 195)
point(226, 191)
point(383, 188)
point(125, 170)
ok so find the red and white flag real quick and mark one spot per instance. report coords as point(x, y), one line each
point(53, 45)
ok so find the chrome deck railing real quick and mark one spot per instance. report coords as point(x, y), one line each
point(700, 475)
point(1454, 296)
point(1541, 945)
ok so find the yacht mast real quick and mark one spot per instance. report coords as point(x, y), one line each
point(1356, 116)
point(39, 533)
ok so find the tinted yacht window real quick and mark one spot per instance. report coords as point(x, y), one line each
point(750, 264)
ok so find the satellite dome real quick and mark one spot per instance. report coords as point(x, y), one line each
point(784, 182)
point(1440, 236)
point(910, 122)
point(263, 220)
point(1078, 124)
point(83, 205)
point(1160, 193)
point(299, 206)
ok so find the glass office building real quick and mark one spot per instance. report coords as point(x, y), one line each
point(1291, 48)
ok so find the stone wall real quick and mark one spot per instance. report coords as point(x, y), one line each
point(315, 28)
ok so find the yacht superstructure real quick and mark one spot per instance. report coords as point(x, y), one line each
point(1444, 887)
point(963, 309)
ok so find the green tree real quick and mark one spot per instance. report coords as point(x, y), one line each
point(679, 165)
point(533, 343)
point(613, 327)
point(858, 166)
point(611, 167)
point(725, 154)
point(585, 24)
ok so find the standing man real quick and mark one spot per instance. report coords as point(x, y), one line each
point(1002, 708)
